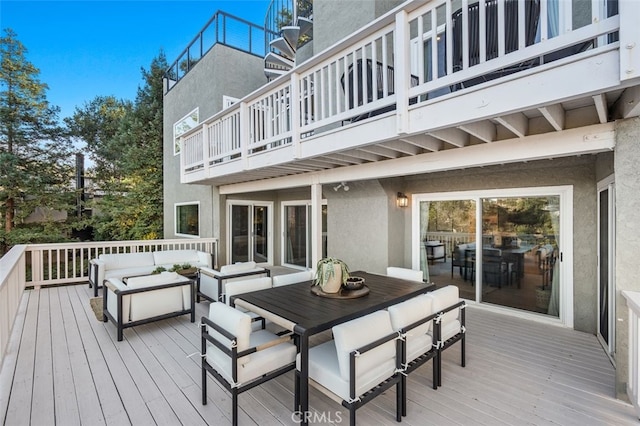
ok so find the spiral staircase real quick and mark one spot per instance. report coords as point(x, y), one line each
point(283, 42)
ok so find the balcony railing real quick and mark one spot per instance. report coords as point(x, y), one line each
point(37, 265)
point(441, 48)
point(633, 377)
point(221, 28)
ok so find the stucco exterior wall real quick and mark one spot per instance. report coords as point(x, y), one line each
point(331, 25)
point(627, 188)
point(222, 71)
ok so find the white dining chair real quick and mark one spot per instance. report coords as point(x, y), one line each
point(238, 357)
point(360, 363)
point(404, 273)
point(450, 308)
point(294, 278)
point(414, 320)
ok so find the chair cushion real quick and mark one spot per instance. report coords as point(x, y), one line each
point(237, 268)
point(359, 332)
point(129, 272)
point(404, 273)
point(296, 277)
point(408, 312)
point(233, 321)
point(324, 369)
point(234, 288)
point(127, 260)
point(442, 299)
point(157, 302)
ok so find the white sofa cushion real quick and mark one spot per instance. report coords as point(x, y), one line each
point(128, 272)
point(235, 288)
point(127, 260)
point(168, 258)
point(359, 332)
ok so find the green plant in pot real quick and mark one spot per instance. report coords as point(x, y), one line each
point(158, 270)
point(331, 273)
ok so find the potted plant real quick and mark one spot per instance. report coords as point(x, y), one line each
point(331, 274)
point(184, 269)
point(158, 270)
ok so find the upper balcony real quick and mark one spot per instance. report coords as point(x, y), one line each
point(434, 78)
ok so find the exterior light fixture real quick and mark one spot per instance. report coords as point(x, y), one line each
point(402, 200)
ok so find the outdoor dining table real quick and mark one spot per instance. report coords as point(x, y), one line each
point(296, 308)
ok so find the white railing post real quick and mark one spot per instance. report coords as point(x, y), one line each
point(402, 66)
point(629, 40)
point(633, 376)
point(294, 111)
point(244, 134)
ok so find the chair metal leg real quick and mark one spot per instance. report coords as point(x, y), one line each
point(401, 400)
point(204, 385)
point(352, 416)
point(234, 413)
point(403, 385)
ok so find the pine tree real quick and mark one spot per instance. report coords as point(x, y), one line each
point(35, 157)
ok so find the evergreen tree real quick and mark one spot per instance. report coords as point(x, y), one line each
point(35, 157)
point(125, 141)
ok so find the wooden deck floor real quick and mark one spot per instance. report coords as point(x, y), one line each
point(65, 367)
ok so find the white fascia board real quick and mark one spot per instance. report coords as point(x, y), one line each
point(595, 74)
point(583, 140)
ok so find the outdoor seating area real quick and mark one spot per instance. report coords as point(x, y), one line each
point(517, 371)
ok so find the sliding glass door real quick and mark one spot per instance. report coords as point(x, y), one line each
point(606, 260)
point(499, 247)
point(250, 230)
point(296, 226)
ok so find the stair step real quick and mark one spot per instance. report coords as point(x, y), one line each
point(291, 34)
point(273, 73)
point(283, 47)
point(305, 24)
point(277, 60)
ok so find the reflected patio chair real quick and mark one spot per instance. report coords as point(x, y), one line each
point(361, 362)
point(451, 323)
point(404, 273)
point(239, 358)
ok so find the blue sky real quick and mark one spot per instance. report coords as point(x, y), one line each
point(87, 48)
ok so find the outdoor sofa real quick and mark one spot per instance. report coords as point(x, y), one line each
point(123, 265)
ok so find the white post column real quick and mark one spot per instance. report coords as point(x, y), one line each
point(316, 224)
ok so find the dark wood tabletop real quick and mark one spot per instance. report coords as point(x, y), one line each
point(313, 314)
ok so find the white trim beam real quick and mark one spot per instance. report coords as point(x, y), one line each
point(402, 147)
point(425, 142)
point(453, 136)
point(379, 150)
point(483, 130)
point(555, 115)
point(517, 123)
point(629, 103)
point(600, 102)
point(567, 143)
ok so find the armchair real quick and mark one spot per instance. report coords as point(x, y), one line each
point(296, 277)
point(147, 298)
point(404, 273)
point(237, 357)
point(211, 283)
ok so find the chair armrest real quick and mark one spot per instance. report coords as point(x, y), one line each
point(209, 272)
point(115, 285)
point(205, 258)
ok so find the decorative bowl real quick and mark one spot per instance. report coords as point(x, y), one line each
point(354, 283)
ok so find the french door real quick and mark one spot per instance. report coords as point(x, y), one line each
point(249, 232)
point(505, 247)
point(606, 259)
point(296, 234)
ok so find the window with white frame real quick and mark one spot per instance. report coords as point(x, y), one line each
point(182, 126)
point(187, 219)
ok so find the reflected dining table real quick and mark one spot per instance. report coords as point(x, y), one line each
point(297, 309)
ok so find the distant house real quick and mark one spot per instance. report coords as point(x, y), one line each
point(509, 130)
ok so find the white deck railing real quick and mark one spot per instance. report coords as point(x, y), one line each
point(633, 377)
point(420, 53)
point(37, 265)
